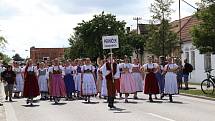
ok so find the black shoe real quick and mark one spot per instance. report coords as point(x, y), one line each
point(6, 98)
point(1, 104)
point(126, 100)
point(150, 99)
point(10, 100)
point(27, 101)
point(170, 98)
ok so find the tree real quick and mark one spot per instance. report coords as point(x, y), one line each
point(5, 58)
point(17, 57)
point(203, 34)
point(86, 41)
point(3, 41)
point(161, 40)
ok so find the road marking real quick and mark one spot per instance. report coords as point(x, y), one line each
point(10, 113)
point(161, 117)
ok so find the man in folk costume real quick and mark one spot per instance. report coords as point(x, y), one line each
point(111, 72)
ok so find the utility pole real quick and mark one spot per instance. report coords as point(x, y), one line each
point(180, 27)
point(180, 42)
point(137, 19)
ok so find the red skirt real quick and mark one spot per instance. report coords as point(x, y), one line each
point(151, 84)
point(31, 87)
point(117, 85)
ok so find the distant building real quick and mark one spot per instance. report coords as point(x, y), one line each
point(42, 54)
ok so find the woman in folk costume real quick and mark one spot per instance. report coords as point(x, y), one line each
point(69, 80)
point(171, 86)
point(127, 83)
point(88, 80)
point(99, 76)
point(57, 85)
point(151, 83)
point(160, 77)
point(43, 81)
point(78, 77)
point(19, 80)
point(137, 76)
point(31, 87)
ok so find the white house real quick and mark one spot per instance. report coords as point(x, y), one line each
point(200, 62)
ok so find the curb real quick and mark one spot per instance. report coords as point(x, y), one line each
point(197, 96)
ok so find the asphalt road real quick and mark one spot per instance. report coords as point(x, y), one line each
point(183, 109)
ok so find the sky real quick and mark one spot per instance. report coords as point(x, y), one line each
point(49, 23)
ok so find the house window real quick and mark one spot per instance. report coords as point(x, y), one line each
point(193, 59)
point(187, 56)
point(207, 61)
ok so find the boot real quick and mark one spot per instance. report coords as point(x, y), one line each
point(170, 98)
point(150, 98)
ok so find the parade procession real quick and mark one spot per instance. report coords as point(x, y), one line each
point(80, 79)
point(107, 60)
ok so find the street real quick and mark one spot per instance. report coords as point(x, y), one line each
point(183, 109)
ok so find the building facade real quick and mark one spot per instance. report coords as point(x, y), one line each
point(42, 54)
point(200, 62)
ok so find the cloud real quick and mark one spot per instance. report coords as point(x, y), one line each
point(49, 23)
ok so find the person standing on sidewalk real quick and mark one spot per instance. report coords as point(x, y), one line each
point(9, 77)
point(187, 69)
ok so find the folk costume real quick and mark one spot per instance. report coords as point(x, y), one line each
point(171, 86)
point(137, 76)
point(31, 87)
point(160, 79)
point(151, 83)
point(127, 83)
point(88, 85)
point(57, 85)
point(69, 80)
point(111, 74)
point(43, 82)
point(19, 80)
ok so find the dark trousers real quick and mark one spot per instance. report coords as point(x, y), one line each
point(9, 90)
point(110, 101)
point(111, 92)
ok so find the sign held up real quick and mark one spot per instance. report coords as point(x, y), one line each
point(110, 42)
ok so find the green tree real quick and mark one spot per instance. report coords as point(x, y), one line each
point(86, 41)
point(203, 34)
point(161, 40)
point(5, 58)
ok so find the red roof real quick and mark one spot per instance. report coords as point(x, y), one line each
point(186, 25)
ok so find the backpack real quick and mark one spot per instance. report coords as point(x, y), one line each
point(189, 68)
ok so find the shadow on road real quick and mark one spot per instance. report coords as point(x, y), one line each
point(11, 101)
point(119, 110)
point(90, 102)
point(59, 103)
point(177, 102)
point(155, 101)
point(30, 105)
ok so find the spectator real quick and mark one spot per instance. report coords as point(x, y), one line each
point(9, 78)
point(188, 68)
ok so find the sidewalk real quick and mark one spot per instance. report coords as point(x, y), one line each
point(198, 94)
point(2, 113)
